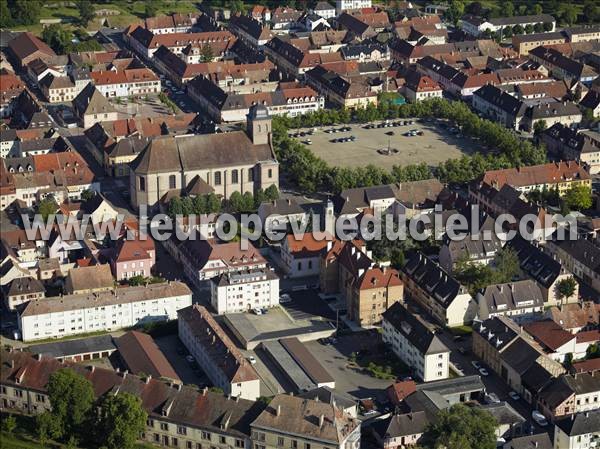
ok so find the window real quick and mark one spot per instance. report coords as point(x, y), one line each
point(164, 426)
point(142, 184)
point(205, 436)
point(234, 177)
point(250, 175)
point(218, 178)
point(270, 173)
point(181, 430)
point(280, 441)
point(172, 182)
point(222, 439)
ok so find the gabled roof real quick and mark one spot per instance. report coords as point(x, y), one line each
point(26, 44)
point(402, 425)
point(414, 330)
point(142, 356)
point(580, 424)
point(91, 101)
point(95, 277)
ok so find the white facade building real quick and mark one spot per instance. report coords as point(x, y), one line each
point(343, 5)
point(245, 290)
point(415, 344)
point(581, 431)
point(102, 311)
point(214, 351)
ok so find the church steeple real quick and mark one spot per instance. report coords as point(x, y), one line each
point(258, 124)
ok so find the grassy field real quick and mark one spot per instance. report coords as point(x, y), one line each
point(130, 11)
point(21, 441)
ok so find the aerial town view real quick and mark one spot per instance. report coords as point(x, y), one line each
point(300, 224)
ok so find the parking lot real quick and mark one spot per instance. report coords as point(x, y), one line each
point(385, 144)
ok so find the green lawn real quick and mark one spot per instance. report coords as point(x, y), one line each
point(461, 330)
point(20, 441)
point(382, 363)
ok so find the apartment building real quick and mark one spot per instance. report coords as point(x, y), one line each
point(579, 431)
point(206, 259)
point(344, 5)
point(476, 26)
point(218, 356)
point(581, 257)
point(295, 422)
point(414, 343)
point(437, 291)
point(102, 311)
point(561, 66)
point(241, 291)
point(521, 300)
point(570, 394)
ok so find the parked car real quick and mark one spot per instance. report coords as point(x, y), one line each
point(476, 364)
point(257, 311)
point(514, 395)
point(285, 298)
point(539, 418)
point(190, 359)
point(484, 372)
point(252, 360)
point(491, 398)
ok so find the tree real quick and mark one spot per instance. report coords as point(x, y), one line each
point(271, 193)
point(25, 12)
point(121, 420)
point(57, 37)
point(518, 29)
point(507, 265)
point(579, 197)
point(591, 11)
point(87, 194)
point(9, 424)
point(565, 288)
point(538, 28)
point(175, 207)
point(529, 28)
point(150, 8)
point(48, 426)
point(86, 12)
point(71, 396)
point(509, 9)
point(507, 32)
point(548, 26)
point(213, 204)
point(47, 207)
point(236, 202)
point(206, 53)
point(6, 19)
point(569, 13)
point(537, 9)
point(455, 11)
point(539, 126)
point(462, 427)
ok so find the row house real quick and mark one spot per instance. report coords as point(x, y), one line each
point(146, 43)
point(172, 23)
point(234, 107)
point(524, 43)
point(347, 92)
point(570, 144)
point(250, 31)
point(581, 257)
point(561, 66)
point(570, 394)
point(558, 342)
point(218, 356)
point(501, 344)
point(10, 88)
point(178, 416)
point(476, 26)
point(554, 175)
point(126, 83)
point(520, 300)
point(580, 431)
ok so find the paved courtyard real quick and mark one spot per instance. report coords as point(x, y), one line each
point(437, 144)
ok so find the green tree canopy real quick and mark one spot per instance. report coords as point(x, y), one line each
point(86, 12)
point(462, 427)
point(566, 288)
point(47, 207)
point(121, 420)
point(25, 12)
point(71, 396)
point(579, 197)
point(206, 53)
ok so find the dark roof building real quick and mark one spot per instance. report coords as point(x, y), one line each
point(141, 355)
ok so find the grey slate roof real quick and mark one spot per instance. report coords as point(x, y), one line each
point(74, 347)
point(397, 426)
point(539, 441)
point(414, 330)
point(504, 413)
point(498, 331)
point(499, 298)
point(520, 355)
point(580, 424)
point(91, 101)
point(25, 286)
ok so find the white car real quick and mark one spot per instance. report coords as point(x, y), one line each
point(476, 364)
point(483, 372)
point(252, 360)
point(257, 311)
point(539, 418)
point(514, 395)
point(491, 398)
point(285, 298)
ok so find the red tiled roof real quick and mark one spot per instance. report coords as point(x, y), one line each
point(378, 277)
point(308, 246)
point(587, 366)
point(549, 334)
point(537, 174)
